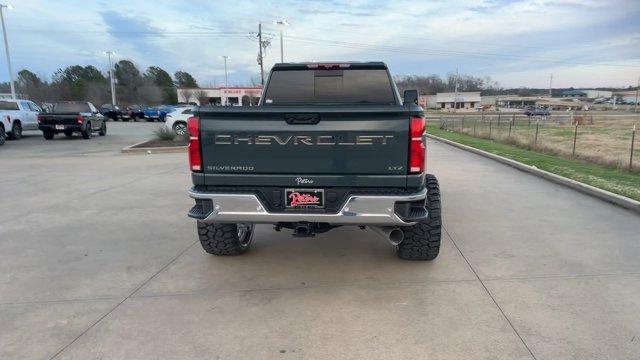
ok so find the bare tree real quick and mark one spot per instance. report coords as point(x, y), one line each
point(201, 96)
point(187, 94)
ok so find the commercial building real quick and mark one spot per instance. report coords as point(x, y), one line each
point(587, 94)
point(234, 96)
point(574, 94)
point(7, 96)
point(461, 100)
point(514, 101)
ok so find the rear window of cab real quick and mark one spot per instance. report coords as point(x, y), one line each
point(9, 105)
point(328, 87)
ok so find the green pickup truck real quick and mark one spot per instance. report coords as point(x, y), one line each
point(329, 145)
point(69, 117)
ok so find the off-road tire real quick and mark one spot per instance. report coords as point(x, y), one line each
point(48, 134)
point(422, 240)
point(223, 239)
point(3, 136)
point(88, 132)
point(103, 129)
point(16, 131)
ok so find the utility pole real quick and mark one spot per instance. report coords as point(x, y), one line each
point(455, 96)
point(550, 84)
point(226, 79)
point(112, 80)
point(261, 59)
point(6, 49)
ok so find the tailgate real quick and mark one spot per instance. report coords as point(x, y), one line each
point(66, 119)
point(341, 142)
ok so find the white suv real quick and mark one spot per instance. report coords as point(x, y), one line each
point(176, 120)
point(17, 116)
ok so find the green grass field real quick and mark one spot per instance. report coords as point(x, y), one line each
point(608, 178)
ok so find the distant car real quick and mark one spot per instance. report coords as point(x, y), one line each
point(112, 112)
point(18, 115)
point(166, 108)
point(536, 111)
point(69, 117)
point(156, 113)
point(134, 112)
point(3, 136)
point(176, 120)
point(615, 100)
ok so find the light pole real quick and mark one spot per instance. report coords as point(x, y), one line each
point(113, 85)
point(281, 24)
point(226, 79)
point(6, 48)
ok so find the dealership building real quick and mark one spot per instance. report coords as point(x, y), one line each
point(460, 100)
point(219, 96)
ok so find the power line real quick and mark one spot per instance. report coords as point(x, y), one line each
point(441, 52)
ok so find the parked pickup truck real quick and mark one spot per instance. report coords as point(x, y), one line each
point(70, 117)
point(17, 116)
point(328, 145)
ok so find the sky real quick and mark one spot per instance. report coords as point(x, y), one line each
point(583, 43)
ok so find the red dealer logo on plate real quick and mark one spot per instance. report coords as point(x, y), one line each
point(303, 199)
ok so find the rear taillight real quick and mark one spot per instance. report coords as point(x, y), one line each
point(40, 119)
point(79, 119)
point(416, 145)
point(195, 158)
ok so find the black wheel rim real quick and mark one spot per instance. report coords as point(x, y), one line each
point(180, 129)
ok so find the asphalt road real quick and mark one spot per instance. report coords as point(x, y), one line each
point(99, 261)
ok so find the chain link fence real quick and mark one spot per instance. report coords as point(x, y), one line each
point(602, 139)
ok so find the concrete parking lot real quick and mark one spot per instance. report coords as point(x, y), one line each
point(99, 261)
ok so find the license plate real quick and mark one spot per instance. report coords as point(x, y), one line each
point(304, 198)
point(59, 127)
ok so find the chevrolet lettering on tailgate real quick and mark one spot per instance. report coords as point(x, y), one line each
point(237, 139)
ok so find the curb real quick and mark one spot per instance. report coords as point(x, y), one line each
point(131, 149)
point(605, 195)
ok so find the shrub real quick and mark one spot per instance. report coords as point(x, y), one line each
point(163, 133)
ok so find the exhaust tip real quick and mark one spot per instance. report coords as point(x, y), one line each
point(396, 236)
point(393, 234)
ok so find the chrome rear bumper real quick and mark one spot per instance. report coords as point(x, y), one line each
point(357, 210)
